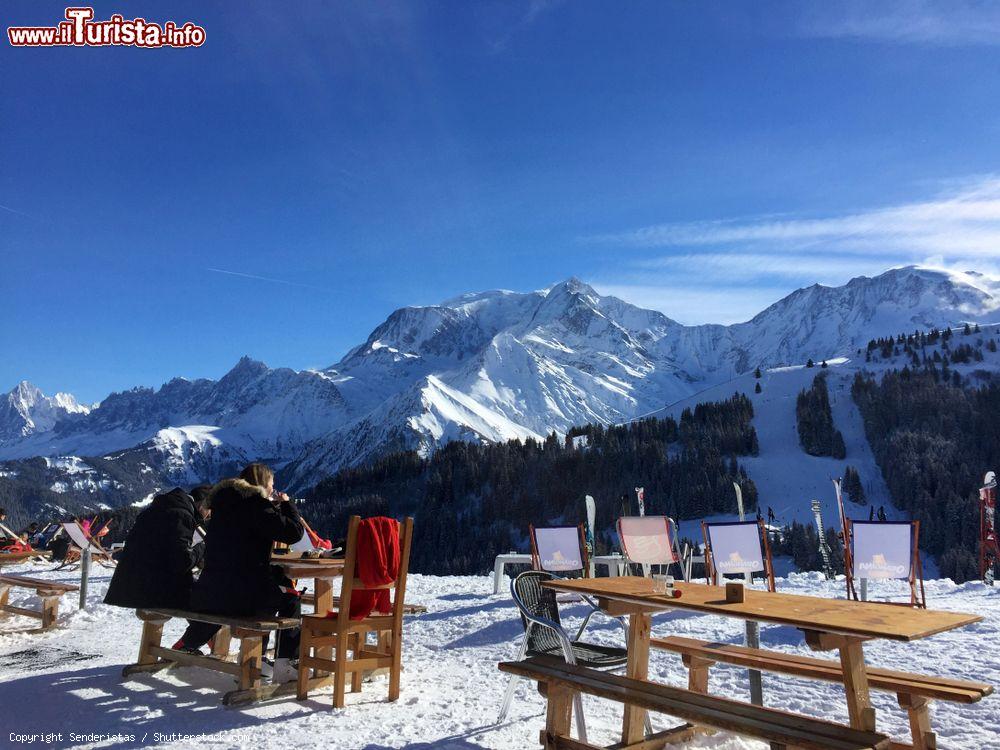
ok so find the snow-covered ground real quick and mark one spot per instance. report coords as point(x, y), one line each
point(68, 680)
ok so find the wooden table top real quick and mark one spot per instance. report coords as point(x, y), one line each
point(839, 616)
point(296, 566)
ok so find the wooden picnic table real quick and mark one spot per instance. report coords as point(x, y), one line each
point(828, 624)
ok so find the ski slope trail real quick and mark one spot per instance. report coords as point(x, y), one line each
point(787, 477)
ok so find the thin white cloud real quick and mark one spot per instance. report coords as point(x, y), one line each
point(753, 266)
point(262, 278)
point(964, 222)
point(14, 211)
point(692, 305)
point(728, 270)
point(953, 23)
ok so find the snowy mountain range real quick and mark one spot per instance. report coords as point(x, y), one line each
point(483, 366)
point(26, 411)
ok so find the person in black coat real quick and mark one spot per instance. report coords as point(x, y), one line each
point(248, 516)
point(154, 569)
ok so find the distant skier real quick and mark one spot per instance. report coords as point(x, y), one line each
point(771, 518)
point(871, 513)
point(881, 513)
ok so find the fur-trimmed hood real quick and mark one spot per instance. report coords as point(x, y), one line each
point(240, 487)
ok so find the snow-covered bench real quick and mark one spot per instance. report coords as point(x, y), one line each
point(558, 681)
point(914, 691)
point(50, 592)
point(246, 669)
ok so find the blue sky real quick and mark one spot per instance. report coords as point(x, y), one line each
point(351, 158)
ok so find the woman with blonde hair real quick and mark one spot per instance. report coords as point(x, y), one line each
point(248, 516)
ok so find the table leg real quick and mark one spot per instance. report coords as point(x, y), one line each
point(859, 704)
point(323, 589)
point(497, 575)
point(633, 723)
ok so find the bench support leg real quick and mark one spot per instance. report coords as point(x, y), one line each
point(251, 653)
point(152, 633)
point(859, 702)
point(4, 594)
point(920, 721)
point(221, 642)
point(557, 716)
point(633, 723)
point(50, 611)
point(697, 673)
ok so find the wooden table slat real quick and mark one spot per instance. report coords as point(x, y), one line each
point(840, 616)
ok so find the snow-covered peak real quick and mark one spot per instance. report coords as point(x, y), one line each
point(26, 410)
point(823, 322)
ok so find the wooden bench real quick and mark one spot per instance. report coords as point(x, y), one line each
point(250, 631)
point(914, 691)
point(50, 592)
point(559, 681)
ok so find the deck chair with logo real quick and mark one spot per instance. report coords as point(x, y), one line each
point(81, 541)
point(562, 551)
point(648, 542)
point(738, 548)
point(559, 549)
point(885, 550)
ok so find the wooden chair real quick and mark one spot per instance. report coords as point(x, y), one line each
point(342, 634)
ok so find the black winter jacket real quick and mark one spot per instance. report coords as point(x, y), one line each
point(237, 578)
point(154, 569)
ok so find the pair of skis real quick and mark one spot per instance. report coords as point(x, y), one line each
point(590, 509)
point(989, 546)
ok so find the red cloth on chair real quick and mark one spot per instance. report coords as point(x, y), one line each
point(377, 564)
point(17, 546)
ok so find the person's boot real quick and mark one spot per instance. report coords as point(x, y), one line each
point(285, 670)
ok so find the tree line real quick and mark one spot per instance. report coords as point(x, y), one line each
point(472, 501)
point(933, 441)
